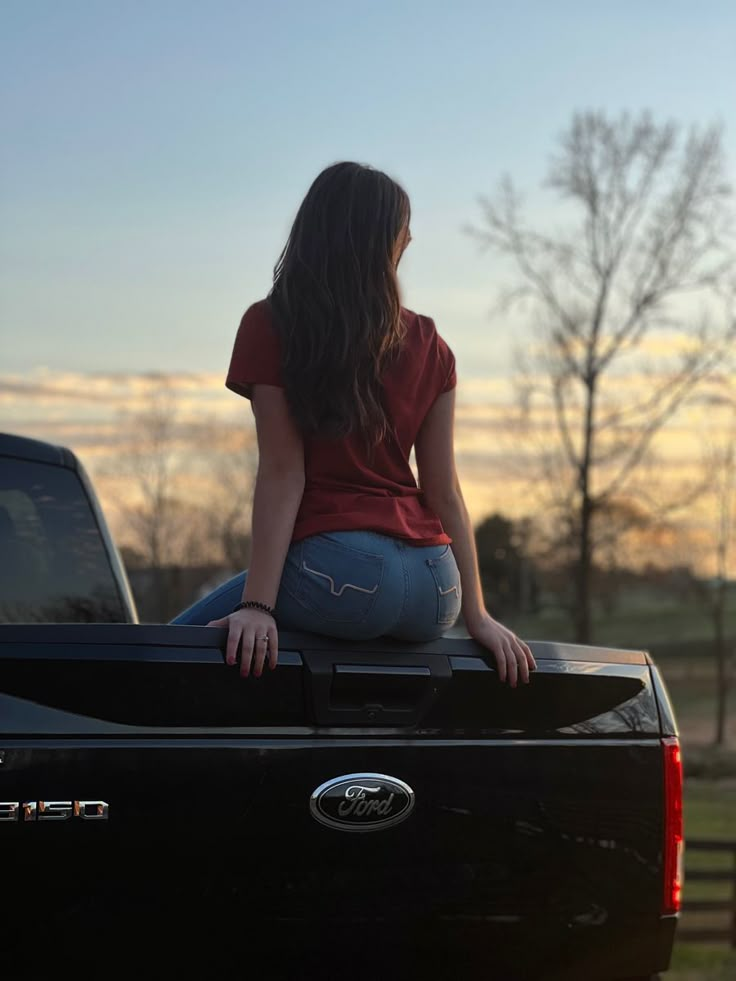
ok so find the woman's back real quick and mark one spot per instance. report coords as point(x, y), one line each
point(349, 484)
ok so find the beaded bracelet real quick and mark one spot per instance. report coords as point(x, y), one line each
point(253, 605)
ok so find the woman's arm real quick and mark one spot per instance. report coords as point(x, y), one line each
point(278, 492)
point(435, 454)
point(276, 499)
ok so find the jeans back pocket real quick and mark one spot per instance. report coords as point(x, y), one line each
point(447, 580)
point(338, 582)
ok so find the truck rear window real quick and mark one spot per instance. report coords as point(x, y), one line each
point(54, 566)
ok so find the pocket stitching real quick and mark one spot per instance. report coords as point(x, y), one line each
point(447, 618)
point(314, 610)
point(348, 585)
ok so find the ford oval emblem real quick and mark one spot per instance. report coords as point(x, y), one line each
point(362, 802)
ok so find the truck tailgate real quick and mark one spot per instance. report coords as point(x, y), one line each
point(529, 838)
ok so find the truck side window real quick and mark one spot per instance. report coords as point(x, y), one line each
point(54, 566)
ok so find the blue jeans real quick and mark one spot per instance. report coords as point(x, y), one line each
point(356, 585)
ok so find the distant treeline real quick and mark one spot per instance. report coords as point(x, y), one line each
point(514, 580)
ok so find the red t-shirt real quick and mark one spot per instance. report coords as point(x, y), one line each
point(344, 491)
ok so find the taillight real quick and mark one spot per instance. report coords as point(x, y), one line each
point(673, 840)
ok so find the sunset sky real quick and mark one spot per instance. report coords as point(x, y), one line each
point(154, 154)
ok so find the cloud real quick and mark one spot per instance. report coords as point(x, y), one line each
point(497, 456)
point(11, 390)
point(42, 391)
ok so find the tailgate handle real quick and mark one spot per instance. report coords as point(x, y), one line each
point(366, 692)
point(389, 670)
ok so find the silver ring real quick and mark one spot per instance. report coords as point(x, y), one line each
point(259, 639)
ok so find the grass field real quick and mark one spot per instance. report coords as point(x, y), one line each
point(641, 621)
point(702, 962)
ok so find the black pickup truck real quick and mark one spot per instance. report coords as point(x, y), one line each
point(368, 810)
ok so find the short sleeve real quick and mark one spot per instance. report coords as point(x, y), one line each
point(256, 357)
point(448, 368)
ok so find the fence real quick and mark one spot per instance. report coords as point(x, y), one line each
point(725, 933)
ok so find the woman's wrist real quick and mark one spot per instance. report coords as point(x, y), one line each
point(255, 605)
point(474, 620)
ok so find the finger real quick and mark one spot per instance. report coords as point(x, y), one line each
point(246, 653)
point(273, 646)
point(512, 669)
point(233, 641)
point(520, 655)
point(500, 662)
point(529, 657)
point(222, 622)
point(260, 650)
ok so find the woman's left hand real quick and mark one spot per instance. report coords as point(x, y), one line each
point(255, 634)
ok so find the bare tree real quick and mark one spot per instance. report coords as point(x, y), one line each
point(228, 459)
point(182, 487)
point(148, 469)
point(651, 237)
point(160, 525)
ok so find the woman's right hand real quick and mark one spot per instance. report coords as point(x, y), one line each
point(514, 660)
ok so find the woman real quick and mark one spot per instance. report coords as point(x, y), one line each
point(343, 382)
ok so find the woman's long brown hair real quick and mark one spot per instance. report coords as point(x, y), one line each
point(335, 300)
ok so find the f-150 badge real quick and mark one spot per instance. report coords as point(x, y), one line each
point(362, 802)
point(53, 810)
